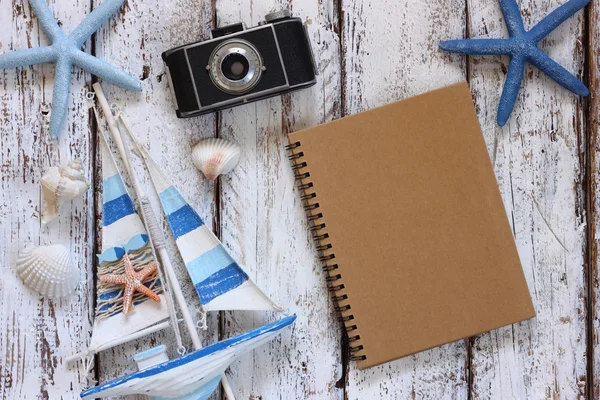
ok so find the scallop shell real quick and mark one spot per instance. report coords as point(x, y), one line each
point(62, 184)
point(48, 270)
point(214, 157)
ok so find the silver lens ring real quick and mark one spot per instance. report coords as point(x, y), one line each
point(252, 68)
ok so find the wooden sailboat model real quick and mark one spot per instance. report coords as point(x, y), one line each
point(220, 283)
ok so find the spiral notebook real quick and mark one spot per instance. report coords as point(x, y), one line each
point(410, 226)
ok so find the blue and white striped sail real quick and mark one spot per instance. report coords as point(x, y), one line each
point(220, 282)
point(122, 230)
point(191, 377)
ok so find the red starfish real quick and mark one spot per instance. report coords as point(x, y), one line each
point(132, 281)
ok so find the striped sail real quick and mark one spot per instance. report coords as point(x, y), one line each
point(220, 282)
point(191, 377)
point(121, 226)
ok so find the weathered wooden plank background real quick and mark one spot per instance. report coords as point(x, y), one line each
point(368, 53)
point(539, 159)
point(36, 334)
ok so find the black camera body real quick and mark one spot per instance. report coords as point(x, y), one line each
point(237, 65)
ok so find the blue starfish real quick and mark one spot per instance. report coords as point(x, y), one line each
point(65, 52)
point(522, 47)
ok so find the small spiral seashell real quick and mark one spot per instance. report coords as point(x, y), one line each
point(62, 184)
point(48, 270)
point(214, 157)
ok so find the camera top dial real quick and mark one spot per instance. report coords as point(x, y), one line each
point(278, 15)
point(235, 66)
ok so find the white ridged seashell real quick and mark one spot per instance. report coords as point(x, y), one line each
point(214, 157)
point(48, 270)
point(62, 184)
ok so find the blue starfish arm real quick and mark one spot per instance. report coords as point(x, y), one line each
point(512, 17)
point(555, 18)
point(477, 46)
point(521, 46)
point(60, 95)
point(105, 71)
point(512, 85)
point(20, 58)
point(557, 72)
point(94, 20)
point(47, 21)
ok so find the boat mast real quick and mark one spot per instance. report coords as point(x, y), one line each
point(157, 240)
point(154, 230)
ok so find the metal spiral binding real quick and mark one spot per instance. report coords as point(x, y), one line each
point(326, 256)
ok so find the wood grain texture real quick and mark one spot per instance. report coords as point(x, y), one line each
point(539, 161)
point(593, 129)
point(390, 53)
point(36, 334)
point(369, 54)
point(264, 226)
point(135, 39)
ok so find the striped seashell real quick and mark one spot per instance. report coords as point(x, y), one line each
point(214, 157)
point(48, 270)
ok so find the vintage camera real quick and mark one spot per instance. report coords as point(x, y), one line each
point(239, 65)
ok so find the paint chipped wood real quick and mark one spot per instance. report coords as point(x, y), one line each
point(388, 57)
point(272, 240)
point(36, 334)
point(368, 53)
point(593, 200)
point(135, 40)
point(539, 162)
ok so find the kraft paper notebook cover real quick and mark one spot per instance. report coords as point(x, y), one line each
point(410, 225)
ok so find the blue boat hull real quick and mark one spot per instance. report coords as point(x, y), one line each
point(193, 376)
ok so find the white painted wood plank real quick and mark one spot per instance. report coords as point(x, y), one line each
point(539, 162)
point(37, 334)
point(265, 227)
point(390, 53)
point(135, 39)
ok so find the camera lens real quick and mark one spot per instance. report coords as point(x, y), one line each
point(235, 66)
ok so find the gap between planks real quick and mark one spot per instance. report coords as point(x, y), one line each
point(591, 68)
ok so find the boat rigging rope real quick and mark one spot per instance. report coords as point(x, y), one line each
point(157, 241)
